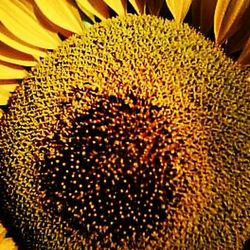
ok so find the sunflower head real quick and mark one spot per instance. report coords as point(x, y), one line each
point(128, 136)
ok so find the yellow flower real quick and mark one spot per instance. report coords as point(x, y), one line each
point(31, 28)
point(6, 243)
point(133, 135)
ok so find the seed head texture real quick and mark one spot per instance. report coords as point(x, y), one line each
point(134, 135)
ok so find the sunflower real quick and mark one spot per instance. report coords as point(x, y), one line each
point(30, 29)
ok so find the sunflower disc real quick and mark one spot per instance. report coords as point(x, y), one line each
point(133, 135)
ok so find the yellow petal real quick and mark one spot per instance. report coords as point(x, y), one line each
point(245, 54)
point(62, 13)
point(1, 112)
point(9, 85)
point(96, 7)
point(179, 8)
point(88, 14)
point(139, 6)
point(6, 88)
point(154, 7)
point(11, 71)
point(119, 6)
point(237, 41)
point(7, 244)
point(7, 54)
point(228, 14)
point(3, 231)
point(9, 39)
point(19, 18)
point(203, 14)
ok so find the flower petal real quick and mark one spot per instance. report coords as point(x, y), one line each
point(11, 71)
point(6, 88)
point(3, 231)
point(96, 7)
point(1, 112)
point(203, 14)
point(237, 41)
point(119, 6)
point(14, 42)
point(228, 14)
point(154, 7)
point(7, 54)
point(139, 6)
point(62, 13)
point(9, 85)
point(7, 244)
point(30, 29)
point(245, 54)
point(179, 8)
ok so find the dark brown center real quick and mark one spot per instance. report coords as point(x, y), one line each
point(111, 175)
